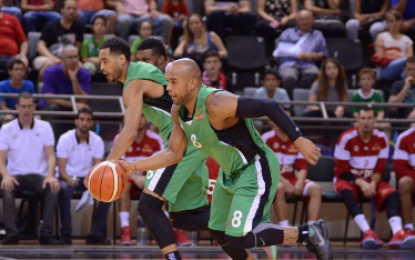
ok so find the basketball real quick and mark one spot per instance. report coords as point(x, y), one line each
point(106, 181)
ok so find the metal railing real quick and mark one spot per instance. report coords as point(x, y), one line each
point(119, 115)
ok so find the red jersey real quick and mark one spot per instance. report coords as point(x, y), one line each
point(213, 168)
point(361, 159)
point(175, 10)
point(404, 155)
point(150, 144)
point(11, 35)
point(289, 157)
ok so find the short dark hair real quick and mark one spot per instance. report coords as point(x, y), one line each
point(272, 72)
point(409, 60)
point(84, 110)
point(117, 46)
point(64, 2)
point(99, 17)
point(24, 95)
point(210, 54)
point(155, 45)
point(368, 108)
point(13, 62)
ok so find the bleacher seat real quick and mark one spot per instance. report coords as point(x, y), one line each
point(33, 39)
point(249, 91)
point(246, 55)
point(300, 94)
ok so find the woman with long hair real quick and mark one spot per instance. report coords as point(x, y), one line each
point(197, 40)
point(330, 86)
point(394, 46)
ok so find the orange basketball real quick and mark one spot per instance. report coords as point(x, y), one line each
point(106, 181)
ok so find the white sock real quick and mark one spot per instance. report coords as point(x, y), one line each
point(284, 223)
point(310, 222)
point(125, 218)
point(396, 224)
point(410, 226)
point(362, 222)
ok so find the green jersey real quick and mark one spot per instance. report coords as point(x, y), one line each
point(233, 149)
point(373, 97)
point(90, 48)
point(156, 110)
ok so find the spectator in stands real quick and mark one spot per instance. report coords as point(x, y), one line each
point(90, 46)
point(13, 43)
point(275, 15)
point(145, 144)
point(291, 161)
point(302, 47)
point(367, 94)
point(360, 156)
point(28, 145)
point(407, 9)
point(145, 30)
point(77, 151)
point(404, 90)
point(197, 40)
point(271, 88)
point(394, 46)
point(152, 51)
point(67, 78)
point(12, 7)
point(328, 18)
point(132, 13)
point(369, 16)
point(212, 75)
point(57, 34)
point(88, 10)
point(330, 86)
point(38, 13)
point(405, 172)
point(235, 14)
point(16, 84)
point(177, 9)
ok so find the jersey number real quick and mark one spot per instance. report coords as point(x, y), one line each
point(236, 221)
point(195, 143)
point(211, 186)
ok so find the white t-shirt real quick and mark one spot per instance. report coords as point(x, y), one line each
point(79, 156)
point(26, 147)
point(403, 43)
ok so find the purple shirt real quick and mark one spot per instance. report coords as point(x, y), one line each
point(314, 43)
point(56, 82)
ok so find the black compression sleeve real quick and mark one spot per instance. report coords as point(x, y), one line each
point(253, 107)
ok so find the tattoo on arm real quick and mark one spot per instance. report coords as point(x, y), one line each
point(211, 113)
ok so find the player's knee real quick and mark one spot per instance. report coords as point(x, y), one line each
point(149, 207)
point(315, 190)
point(219, 237)
point(237, 242)
point(405, 185)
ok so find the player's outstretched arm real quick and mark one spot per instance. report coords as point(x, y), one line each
point(133, 96)
point(226, 106)
point(171, 155)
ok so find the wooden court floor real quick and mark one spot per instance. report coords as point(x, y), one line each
point(80, 251)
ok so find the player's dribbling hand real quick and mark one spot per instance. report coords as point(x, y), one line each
point(128, 167)
point(307, 148)
point(8, 183)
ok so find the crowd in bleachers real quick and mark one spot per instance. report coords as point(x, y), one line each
point(315, 50)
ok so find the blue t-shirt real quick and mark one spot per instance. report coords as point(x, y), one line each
point(409, 12)
point(56, 82)
point(6, 87)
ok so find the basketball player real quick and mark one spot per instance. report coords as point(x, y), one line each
point(193, 218)
point(144, 92)
point(219, 124)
